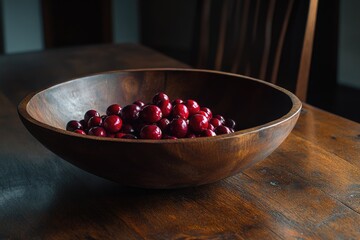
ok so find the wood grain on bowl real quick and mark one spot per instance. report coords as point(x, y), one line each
point(265, 113)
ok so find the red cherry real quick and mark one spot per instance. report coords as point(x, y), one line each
point(150, 132)
point(139, 103)
point(94, 121)
point(215, 122)
point(177, 101)
point(198, 123)
point(150, 114)
point(79, 131)
point(211, 127)
point(73, 125)
point(165, 107)
point(180, 110)
point(208, 111)
point(89, 114)
point(112, 123)
point(178, 128)
point(113, 109)
point(130, 113)
point(207, 133)
point(160, 97)
point(163, 124)
point(222, 130)
point(97, 131)
point(192, 106)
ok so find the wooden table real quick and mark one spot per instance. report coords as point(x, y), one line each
point(309, 188)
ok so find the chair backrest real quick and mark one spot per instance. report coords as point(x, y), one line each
point(267, 39)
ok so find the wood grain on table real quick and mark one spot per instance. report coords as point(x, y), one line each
point(309, 188)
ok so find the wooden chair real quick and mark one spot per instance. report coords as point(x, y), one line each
point(267, 39)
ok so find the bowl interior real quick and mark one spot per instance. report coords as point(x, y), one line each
point(249, 102)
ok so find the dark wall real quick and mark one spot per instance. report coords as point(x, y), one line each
point(1, 30)
point(324, 68)
point(168, 26)
point(69, 23)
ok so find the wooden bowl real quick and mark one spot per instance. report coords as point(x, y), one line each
point(265, 114)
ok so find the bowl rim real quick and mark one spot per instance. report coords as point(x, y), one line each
point(295, 109)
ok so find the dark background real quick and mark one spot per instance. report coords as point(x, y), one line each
point(171, 27)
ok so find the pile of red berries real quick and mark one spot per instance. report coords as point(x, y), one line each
point(160, 119)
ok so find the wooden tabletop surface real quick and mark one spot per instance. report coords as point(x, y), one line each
point(309, 188)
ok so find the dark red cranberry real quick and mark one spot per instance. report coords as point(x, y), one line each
point(113, 109)
point(150, 132)
point(119, 135)
point(103, 117)
point(89, 114)
point(83, 124)
point(203, 113)
point(94, 121)
point(127, 128)
point(168, 137)
point(129, 136)
point(79, 131)
point(178, 128)
point(192, 106)
point(208, 111)
point(215, 122)
point(73, 125)
point(207, 133)
point(97, 131)
point(230, 123)
point(138, 126)
point(190, 135)
point(110, 135)
point(112, 124)
point(150, 114)
point(160, 97)
point(177, 101)
point(180, 110)
point(139, 103)
point(198, 123)
point(221, 118)
point(130, 113)
point(144, 120)
point(124, 135)
point(146, 104)
point(222, 130)
point(163, 124)
point(165, 107)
